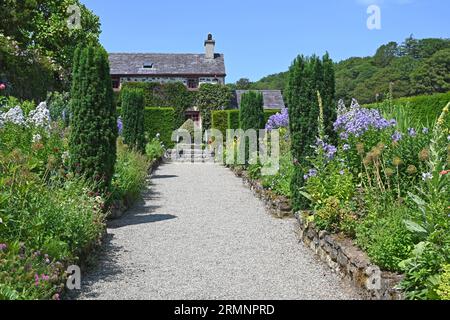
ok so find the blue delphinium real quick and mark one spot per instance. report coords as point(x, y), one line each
point(357, 120)
point(120, 125)
point(279, 120)
point(397, 136)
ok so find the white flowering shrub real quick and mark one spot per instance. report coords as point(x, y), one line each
point(40, 117)
point(14, 115)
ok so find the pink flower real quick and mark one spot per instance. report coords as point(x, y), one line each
point(443, 173)
point(2, 86)
point(3, 246)
point(36, 280)
point(56, 297)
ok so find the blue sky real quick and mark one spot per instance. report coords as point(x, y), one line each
point(260, 37)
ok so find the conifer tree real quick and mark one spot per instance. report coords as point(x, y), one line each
point(133, 118)
point(251, 115)
point(307, 76)
point(92, 144)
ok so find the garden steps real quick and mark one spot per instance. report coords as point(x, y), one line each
point(191, 153)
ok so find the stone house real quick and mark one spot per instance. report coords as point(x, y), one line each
point(190, 69)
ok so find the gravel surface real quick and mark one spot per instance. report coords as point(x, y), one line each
point(200, 233)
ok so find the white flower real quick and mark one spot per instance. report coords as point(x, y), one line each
point(14, 115)
point(36, 138)
point(65, 156)
point(40, 117)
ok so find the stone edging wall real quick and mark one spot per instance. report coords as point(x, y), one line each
point(338, 252)
point(351, 263)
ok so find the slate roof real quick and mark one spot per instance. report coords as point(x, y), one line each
point(273, 99)
point(166, 64)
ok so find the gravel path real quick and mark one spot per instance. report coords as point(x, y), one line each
point(200, 233)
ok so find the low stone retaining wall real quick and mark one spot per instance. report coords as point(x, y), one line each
point(122, 206)
point(337, 251)
point(351, 263)
point(278, 206)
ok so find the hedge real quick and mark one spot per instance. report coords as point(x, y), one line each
point(232, 118)
point(167, 95)
point(425, 109)
point(160, 120)
point(219, 120)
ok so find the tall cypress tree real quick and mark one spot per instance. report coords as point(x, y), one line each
point(251, 115)
point(133, 118)
point(306, 77)
point(93, 137)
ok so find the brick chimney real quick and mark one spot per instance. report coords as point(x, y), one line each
point(209, 47)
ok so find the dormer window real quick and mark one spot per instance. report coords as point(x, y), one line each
point(148, 65)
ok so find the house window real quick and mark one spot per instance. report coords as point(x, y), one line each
point(116, 83)
point(193, 83)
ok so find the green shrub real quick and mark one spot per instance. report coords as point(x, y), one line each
point(133, 118)
point(233, 119)
point(251, 114)
point(220, 121)
point(422, 110)
point(385, 237)
point(160, 121)
point(212, 97)
point(154, 149)
point(94, 119)
point(130, 173)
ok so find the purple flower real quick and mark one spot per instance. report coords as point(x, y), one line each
point(358, 120)
point(346, 147)
point(120, 125)
point(397, 136)
point(343, 135)
point(3, 246)
point(412, 132)
point(311, 173)
point(425, 130)
point(279, 120)
point(342, 172)
point(427, 176)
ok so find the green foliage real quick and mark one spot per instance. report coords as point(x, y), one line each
point(233, 119)
point(130, 175)
point(420, 110)
point(167, 95)
point(212, 97)
point(42, 25)
point(280, 183)
point(160, 121)
point(444, 287)
point(308, 76)
point(252, 111)
point(154, 149)
point(26, 74)
point(94, 120)
point(220, 120)
point(383, 234)
point(58, 104)
point(422, 271)
point(413, 67)
point(133, 118)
